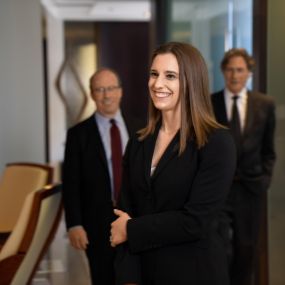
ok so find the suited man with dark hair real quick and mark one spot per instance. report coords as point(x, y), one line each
point(251, 118)
point(89, 180)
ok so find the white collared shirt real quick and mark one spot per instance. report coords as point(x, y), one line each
point(241, 104)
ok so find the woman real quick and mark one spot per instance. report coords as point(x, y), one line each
point(177, 173)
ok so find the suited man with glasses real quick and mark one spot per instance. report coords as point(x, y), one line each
point(90, 176)
point(250, 116)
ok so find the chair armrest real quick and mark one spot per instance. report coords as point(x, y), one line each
point(8, 267)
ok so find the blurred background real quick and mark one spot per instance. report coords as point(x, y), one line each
point(50, 48)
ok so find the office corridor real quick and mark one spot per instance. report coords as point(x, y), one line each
point(62, 265)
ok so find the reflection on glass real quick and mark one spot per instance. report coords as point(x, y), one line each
point(213, 26)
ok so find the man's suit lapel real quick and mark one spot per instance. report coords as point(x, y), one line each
point(250, 111)
point(221, 113)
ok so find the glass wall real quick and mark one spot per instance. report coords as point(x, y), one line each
point(213, 26)
point(276, 88)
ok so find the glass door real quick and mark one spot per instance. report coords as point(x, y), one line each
point(213, 26)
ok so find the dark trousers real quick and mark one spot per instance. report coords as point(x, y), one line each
point(240, 225)
point(101, 264)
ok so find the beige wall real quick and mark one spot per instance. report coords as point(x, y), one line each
point(21, 82)
point(276, 88)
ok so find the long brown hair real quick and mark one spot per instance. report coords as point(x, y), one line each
point(197, 118)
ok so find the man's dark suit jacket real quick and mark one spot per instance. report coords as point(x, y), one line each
point(257, 154)
point(87, 189)
point(255, 162)
point(173, 236)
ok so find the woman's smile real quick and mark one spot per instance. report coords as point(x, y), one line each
point(161, 94)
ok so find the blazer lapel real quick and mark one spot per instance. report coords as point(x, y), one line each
point(149, 145)
point(170, 152)
point(148, 149)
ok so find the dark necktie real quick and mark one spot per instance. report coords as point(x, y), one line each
point(235, 122)
point(116, 149)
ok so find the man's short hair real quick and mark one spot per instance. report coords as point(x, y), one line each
point(237, 52)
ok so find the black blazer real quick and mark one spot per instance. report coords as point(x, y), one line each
point(86, 181)
point(173, 238)
point(257, 154)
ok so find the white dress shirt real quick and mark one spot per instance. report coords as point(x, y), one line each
point(241, 105)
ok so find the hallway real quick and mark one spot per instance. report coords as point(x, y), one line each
point(62, 265)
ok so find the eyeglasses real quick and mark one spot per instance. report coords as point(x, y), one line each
point(109, 89)
point(235, 70)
